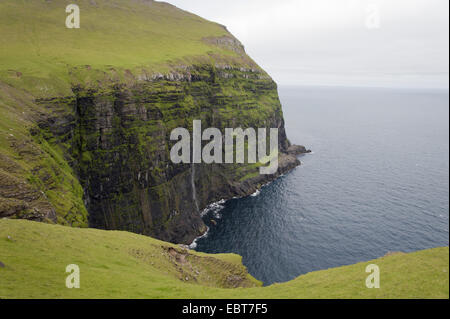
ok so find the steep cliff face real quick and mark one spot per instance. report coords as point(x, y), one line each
point(118, 143)
point(92, 147)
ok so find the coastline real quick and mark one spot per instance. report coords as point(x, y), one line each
point(252, 187)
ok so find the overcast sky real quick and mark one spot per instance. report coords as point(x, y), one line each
point(401, 43)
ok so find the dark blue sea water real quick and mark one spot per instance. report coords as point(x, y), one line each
point(378, 181)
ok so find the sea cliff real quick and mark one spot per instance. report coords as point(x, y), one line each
point(85, 140)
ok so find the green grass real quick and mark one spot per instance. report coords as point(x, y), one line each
point(38, 53)
point(124, 265)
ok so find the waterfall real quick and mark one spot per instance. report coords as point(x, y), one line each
point(194, 191)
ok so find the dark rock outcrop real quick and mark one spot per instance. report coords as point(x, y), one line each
point(297, 150)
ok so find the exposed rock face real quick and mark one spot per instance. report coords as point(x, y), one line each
point(117, 140)
point(297, 150)
point(17, 197)
point(227, 42)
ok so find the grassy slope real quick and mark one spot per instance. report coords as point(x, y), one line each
point(125, 265)
point(117, 34)
point(32, 161)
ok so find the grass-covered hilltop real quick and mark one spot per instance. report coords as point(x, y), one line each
point(86, 116)
point(115, 264)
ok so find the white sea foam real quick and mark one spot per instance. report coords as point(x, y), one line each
point(193, 245)
point(215, 208)
point(256, 193)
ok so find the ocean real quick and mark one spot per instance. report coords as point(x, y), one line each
point(376, 182)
